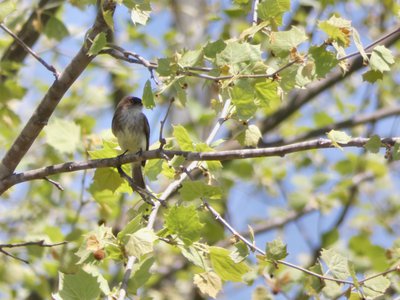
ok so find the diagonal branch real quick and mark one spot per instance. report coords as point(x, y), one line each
point(348, 123)
point(194, 157)
point(53, 96)
point(30, 51)
point(28, 33)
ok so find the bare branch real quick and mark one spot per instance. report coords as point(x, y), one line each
point(161, 139)
point(253, 247)
point(26, 244)
point(55, 183)
point(195, 157)
point(348, 123)
point(30, 51)
point(254, 14)
point(28, 34)
point(53, 96)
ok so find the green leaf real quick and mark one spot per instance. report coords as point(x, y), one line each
point(153, 168)
point(273, 10)
point(243, 100)
point(374, 144)
point(282, 42)
point(141, 273)
point(134, 225)
point(250, 136)
point(192, 190)
point(375, 287)
point(79, 286)
point(330, 237)
point(148, 97)
point(276, 250)
point(141, 242)
point(98, 44)
point(240, 252)
point(55, 29)
point(106, 179)
point(140, 12)
point(213, 48)
point(184, 221)
point(324, 60)
point(353, 275)
point(63, 135)
point(338, 137)
point(108, 16)
point(209, 283)
point(337, 264)
point(358, 43)
point(191, 58)
point(396, 151)
point(313, 284)
point(167, 66)
point(182, 137)
point(362, 246)
point(322, 118)
point(225, 267)
point(338, 29)
point(372, 76)
point(267, 94)
point(194, 254)
point(251, 31)
point(236, 52)
point(6, 8)
point(261, 293)
point(103, 284)
point(381, 59)
point(108, 150)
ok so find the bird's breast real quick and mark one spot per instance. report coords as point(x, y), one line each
point(131, 136)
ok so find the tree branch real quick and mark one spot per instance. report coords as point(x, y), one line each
point(53, 96)
point(28, 34)
point(26, 244)
point(30, 51)
point(253, 247)
point(195, 157)
point(348, 123)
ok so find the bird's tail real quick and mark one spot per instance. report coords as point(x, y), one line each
point(137, 175)
point(138, 180)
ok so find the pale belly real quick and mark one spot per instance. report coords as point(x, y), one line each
point(132, 141)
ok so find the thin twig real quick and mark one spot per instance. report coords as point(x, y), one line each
point(161, 139)
point(49, 67)
point(347, 123)
point(253, 247)
point(128, 54)
point(381, 39)
point(391, 270)
point(55, 183)
point(26, 244)
point(254, 14)
point(139, 189)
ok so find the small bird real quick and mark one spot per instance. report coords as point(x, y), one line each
point(132, 130)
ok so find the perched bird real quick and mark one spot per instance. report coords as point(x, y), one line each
point(132, 130)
